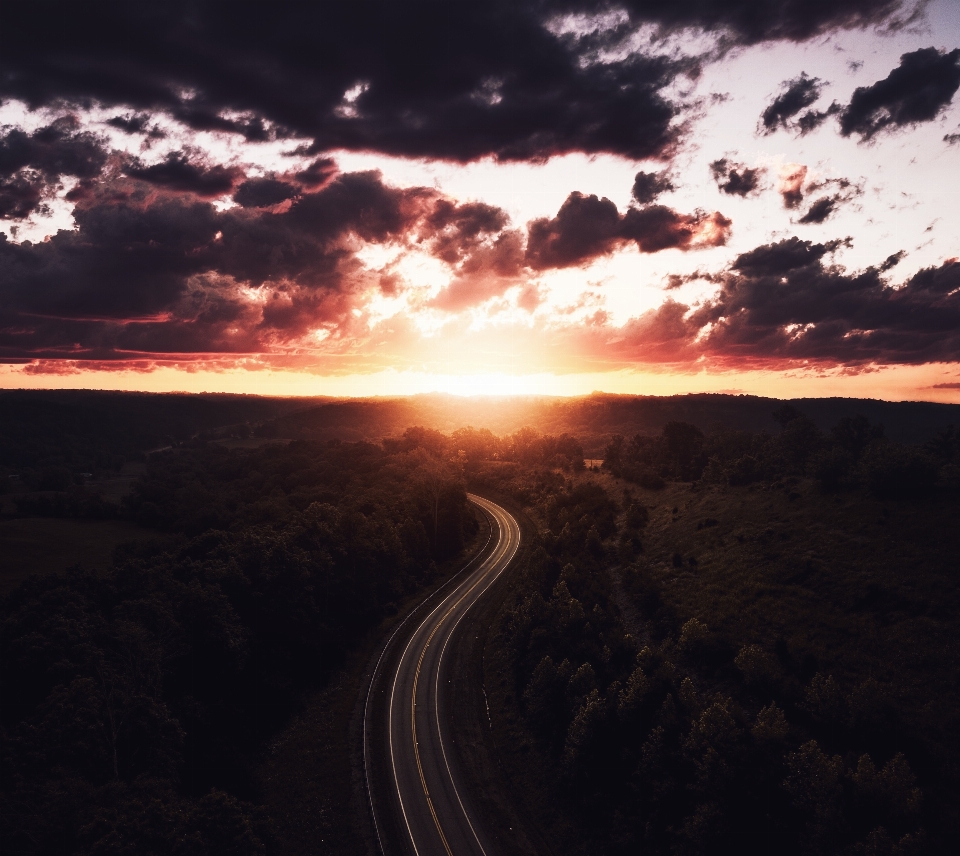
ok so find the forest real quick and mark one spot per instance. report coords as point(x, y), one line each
point(738, 642)
point(720, 638)
point(136, 699)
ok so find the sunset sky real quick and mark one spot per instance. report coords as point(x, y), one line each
point(541, 197)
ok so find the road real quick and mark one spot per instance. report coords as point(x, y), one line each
point(428, 797)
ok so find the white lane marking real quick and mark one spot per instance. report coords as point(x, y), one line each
point(480, 574)
point(366, 707)
point(506, 531)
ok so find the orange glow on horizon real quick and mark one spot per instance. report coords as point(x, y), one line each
point(936, 382)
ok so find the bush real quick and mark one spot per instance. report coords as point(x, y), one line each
point(892, 471)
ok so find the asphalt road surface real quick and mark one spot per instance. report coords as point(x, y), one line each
point(430, 798)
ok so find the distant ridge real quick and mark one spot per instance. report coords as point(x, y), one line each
point(596, 417)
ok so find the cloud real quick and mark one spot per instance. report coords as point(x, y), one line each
point(792, 177)
point(916, 91)
point(22, 195)
point(755, 21)
point(317, 173)
point(735, 179)
point(136, 123)
point(177, 172)
point(822, 208)
point(788, 305)
point(788, 109)
point(783, 303)
point(33, 164)
point(459, 81)
point(795, 95)
point(647, 186)
point(263, 192)
point(891, 261)
point(587, 227)
point(168, 274)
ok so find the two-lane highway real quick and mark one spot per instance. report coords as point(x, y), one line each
point(428, 794)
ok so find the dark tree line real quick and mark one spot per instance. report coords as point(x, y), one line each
point(48, 438)
point(671, 741)
point(134, 702)
point(854, 453)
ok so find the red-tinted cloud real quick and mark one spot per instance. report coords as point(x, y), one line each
point(587, 227)
point(163, 271)
point(792, 178)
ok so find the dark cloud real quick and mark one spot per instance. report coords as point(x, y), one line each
point(263, 192)
point(425, 79)
point(136, 123)
point(753, 21)
point(656, 227)
point(916, 91)
point(951, 139)
point(785, 303)
point(647, 186)
point(781, 258)
point(788, 109)
point(487, 269)
point(813, 119)
point(486, 257)
point(795, 96)
point(735, 179)
point(891, 261)
point(21, 195)
point(587, 227)
point(168, 274)
point(317, 173)
point(32, 165)
point(55, 150)
point(177, 172)
point(820, 210)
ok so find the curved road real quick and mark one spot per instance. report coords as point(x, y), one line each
point(432, 805)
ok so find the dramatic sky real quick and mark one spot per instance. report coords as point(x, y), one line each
point(556, 196)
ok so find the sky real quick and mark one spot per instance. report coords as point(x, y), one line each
point(529, 197)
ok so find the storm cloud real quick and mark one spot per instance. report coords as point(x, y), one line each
point(457, 81)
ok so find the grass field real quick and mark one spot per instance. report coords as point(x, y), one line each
point(41, 545)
